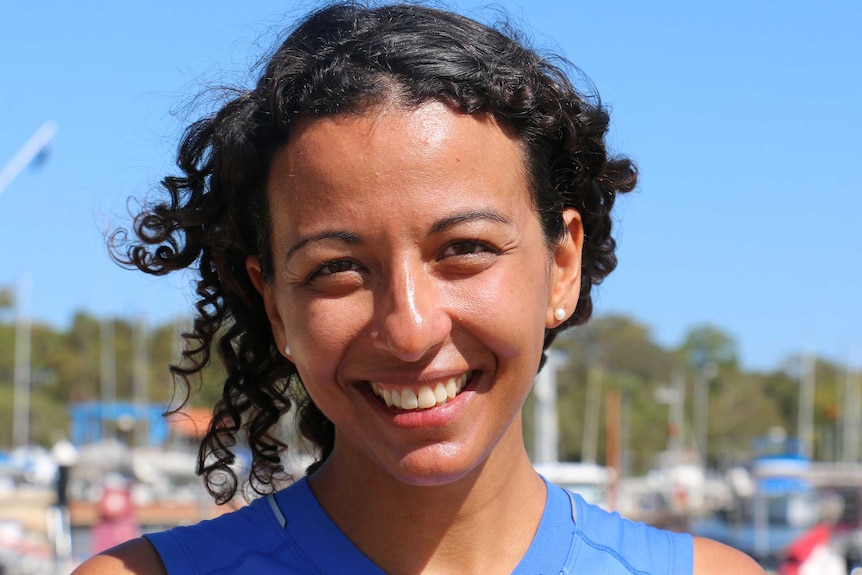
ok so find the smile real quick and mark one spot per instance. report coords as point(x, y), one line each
point(425, 397)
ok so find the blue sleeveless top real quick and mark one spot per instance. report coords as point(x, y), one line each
point(289, 533)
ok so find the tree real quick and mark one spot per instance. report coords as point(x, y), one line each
point(708, 345)
point(7, 300)
point(612, 352)
point(742, 408)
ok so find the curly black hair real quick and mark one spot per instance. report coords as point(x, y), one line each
point(342, 59)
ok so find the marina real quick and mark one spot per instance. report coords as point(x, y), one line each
point(782, 509)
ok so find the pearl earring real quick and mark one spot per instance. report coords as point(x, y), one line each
point(287, 350)
point(559, 314)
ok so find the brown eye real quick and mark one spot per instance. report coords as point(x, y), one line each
point(334, 267)
point(466, 248)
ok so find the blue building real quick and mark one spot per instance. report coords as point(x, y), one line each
point(140, 425)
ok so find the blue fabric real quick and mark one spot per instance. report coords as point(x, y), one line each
point(607, 544)
point(573, 537)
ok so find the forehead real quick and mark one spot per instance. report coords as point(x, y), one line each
point(392, 167)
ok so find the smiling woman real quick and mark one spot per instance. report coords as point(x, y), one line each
point(391, 228)
point(415, 259)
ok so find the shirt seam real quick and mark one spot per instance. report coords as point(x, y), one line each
point(288, 538)
point(605, 548)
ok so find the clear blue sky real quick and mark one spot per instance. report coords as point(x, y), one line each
point(743, 117)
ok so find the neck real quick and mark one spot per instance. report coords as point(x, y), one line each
point(481, 522)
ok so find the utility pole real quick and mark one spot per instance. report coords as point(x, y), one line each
point(806, 405)
point(37, 143)
point(21, 410)
point(672, 394)
point(676, 416)
point(613, 409)
point(108, 361)
point(140, 375)
point(592, 409)
point(547, 422)
point(700, 422)
point(850, 452)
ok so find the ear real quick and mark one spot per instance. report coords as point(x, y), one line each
point(565, 285)
point(252, 266)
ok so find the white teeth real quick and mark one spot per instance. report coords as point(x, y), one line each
point(409, 399)
point(440, 394)
point(451, 389)
point(425, 397)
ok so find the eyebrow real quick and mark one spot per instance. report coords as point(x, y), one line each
point(438, 227)
point(346, 237)
point(448, 222)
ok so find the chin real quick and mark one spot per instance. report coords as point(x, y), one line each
point(435, 469)
point(431, 479)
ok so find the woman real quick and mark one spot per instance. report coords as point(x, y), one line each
point(390, 229)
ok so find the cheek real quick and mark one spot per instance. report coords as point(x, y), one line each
point(509, 311)
point(320, 331)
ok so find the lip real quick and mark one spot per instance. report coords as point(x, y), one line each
point(437, 416)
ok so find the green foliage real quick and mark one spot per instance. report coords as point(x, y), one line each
point(740, 410)
point(707, 345)
point(617, 343)
point(67, 366)
point(614, 352)
point(7, 300)
point(49, 419)
point(7, 353)
point(620, 353)
point(6, 401)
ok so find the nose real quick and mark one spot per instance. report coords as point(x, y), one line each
point(410, 318)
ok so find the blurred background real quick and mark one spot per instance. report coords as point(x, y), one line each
point(717, 386)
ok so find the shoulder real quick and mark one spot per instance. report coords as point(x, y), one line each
point(714, 558)
point(135, 557)
point(177, 549)
point(630, 546)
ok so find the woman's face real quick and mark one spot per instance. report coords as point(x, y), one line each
point(413, 285)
